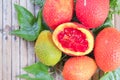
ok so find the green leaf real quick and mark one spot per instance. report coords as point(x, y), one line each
point(29, 33)
point(37, 71)
point(27, 77)
point(45, 26)
point(24, 16)
point(36, 68)
point(114, 75)
point(115, 6)
point(38, 2)
point(30, 27)
point(39, 18)
point(41, 22)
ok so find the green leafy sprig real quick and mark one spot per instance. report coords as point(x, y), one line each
point(30, 26)
point(115, 6)
point(113, 75)
point(37, 71)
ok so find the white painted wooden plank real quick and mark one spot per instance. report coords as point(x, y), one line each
point(23, 46)
point(1, 39)
point(23, 55)
point(117, 21)
point(23, 3)
point(35, 13)
point(37, 8)
point(6, 40)
point(31, 54)
point(30, 6)
point(15, 44)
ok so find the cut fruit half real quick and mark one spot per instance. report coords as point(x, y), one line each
point(73, 39)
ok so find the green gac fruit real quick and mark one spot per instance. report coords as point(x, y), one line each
point(45, 49)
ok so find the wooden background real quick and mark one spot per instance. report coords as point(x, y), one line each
point(16, 53)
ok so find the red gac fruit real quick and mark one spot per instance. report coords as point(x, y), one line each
point(56, 12)
point(92, 13)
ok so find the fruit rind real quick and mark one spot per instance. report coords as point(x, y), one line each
point(89, 37)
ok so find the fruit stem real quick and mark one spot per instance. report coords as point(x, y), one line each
point(63, 57)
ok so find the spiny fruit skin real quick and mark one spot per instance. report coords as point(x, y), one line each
point(45, 49)
point(79, 68)
point(107, 49)
point(56, 12)
point(92, 13)
point(72, 38)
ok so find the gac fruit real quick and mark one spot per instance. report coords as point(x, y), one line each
point(92, 13)
point(79, 68)
point(107, 49)
point(73, 39)
point(56, 12)
point(45, 49)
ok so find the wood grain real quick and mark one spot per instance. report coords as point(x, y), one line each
point(117, 22)
point(15, 45)
point(1, 31)
point(7, 60)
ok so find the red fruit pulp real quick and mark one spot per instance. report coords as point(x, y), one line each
point(73, 39)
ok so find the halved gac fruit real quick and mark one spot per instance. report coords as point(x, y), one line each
point(73, 39)
point(56, 12)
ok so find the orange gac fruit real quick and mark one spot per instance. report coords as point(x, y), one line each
point(79, 68)
point(73, 39)
point(56, 12)
point(107, 49)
